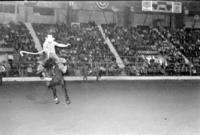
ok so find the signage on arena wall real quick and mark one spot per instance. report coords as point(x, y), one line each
point(75, 25)
point(146, 5)
point(102, 4)
point(176, 7)
point(162, 6)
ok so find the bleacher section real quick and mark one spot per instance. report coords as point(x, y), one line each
point(144, 51)
point(16, 36)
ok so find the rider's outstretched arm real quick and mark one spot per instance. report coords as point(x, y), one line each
point(21, 52)
point(62, 45)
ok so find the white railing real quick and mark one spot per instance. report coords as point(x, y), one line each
point(34, 36)
point(112, 49)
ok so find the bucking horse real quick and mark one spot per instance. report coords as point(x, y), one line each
point(52, 71)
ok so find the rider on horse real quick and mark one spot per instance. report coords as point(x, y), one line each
point(52, 65)
point(49, 51)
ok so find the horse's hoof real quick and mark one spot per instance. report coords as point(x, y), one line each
point(56, 100)
point(68, 102)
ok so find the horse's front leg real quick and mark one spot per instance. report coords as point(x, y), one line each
point(66, 93)
point(53, 88)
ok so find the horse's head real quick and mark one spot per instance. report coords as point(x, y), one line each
point(52, 68)
point(49, 67)
point(50, 64)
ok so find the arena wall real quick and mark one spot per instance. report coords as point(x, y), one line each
point(84, 13)
point(81, 13)
point(148, 19)
point(104, 78)
point(97, 16)
point(8, 16)
point(37, 18)
point(25, 13)
point(189, 21)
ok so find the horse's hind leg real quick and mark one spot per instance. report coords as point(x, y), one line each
point(67, 97)
point(66, 93)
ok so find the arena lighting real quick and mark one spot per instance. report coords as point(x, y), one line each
point(186, 11)
point(71, 3)
point(132, 9)
point(30, 3)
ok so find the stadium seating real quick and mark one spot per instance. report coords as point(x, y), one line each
point(16, 35)
point(144, 50)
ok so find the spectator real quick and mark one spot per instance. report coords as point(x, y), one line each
point(2, 71)
point(85, 70)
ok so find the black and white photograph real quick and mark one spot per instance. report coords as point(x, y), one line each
point(100, 67)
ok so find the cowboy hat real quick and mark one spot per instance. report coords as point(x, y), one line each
point(49, 38)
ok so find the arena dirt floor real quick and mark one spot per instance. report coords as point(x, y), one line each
point(102, 108)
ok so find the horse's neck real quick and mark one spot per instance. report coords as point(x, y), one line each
point(49, 73)
point(55, 72)
point(58, 71)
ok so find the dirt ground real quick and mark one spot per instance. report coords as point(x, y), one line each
point(102, 108)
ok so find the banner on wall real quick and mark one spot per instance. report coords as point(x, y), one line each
point(102, 4)
point(162, 6)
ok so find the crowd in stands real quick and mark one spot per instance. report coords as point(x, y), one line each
point(187, 41)
point(144, 50)
point(17, 36)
